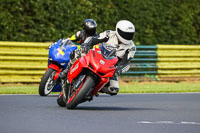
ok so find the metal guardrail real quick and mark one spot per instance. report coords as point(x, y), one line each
point(27, 61)
point(163, 62)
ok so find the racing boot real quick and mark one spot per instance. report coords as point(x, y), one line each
point(73, 56)
point(63, 76)
point(110, 90)
point(112, 87)
point(64, 73)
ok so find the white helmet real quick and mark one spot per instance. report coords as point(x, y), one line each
point(125, 31)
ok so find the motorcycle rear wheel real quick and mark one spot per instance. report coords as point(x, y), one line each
point(81, 93)
point(46, 84)
point(61, 100)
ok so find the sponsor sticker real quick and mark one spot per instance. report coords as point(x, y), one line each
point(102, 62)
point(60, 51)
point(74, 69)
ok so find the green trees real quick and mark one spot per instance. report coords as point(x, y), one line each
point(156, 21)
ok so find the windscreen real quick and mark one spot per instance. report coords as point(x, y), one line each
point(67, 42)
point(108, 52)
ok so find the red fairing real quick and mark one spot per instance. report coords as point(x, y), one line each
point(100, 66)
point(101, 84)
point(56, 75)
point(76, 68)
point(94, 61)
point(57, 68)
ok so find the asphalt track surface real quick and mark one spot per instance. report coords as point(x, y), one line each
point(124, 113)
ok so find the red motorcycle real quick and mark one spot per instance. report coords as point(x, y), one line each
point(87, 76)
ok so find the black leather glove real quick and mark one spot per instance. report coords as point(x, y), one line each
point(84, 48)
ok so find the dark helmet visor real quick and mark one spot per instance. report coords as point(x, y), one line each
point(125, 35)
point(91, 32)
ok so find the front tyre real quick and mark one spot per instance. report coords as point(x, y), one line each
point(76, 96)
point(47, 82)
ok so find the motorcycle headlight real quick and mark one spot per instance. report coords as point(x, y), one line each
point(62, 64)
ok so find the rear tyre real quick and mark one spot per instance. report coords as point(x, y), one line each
point(77, 96)
point(61, 100)
point(47, 82)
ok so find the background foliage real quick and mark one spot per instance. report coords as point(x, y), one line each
point(156, 21)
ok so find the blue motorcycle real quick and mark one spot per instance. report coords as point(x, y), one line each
point(59, 56)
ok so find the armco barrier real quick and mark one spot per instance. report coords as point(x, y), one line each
point(22, 61)
point(27, 61)
point(166, 62)
point(178, 61)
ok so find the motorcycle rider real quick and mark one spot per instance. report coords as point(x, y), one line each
point(89, 29)
point(121, 40)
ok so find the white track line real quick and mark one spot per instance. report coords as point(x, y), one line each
point(168, 122)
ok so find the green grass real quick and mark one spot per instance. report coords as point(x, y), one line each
point(18, 89)
point(160, 87)
point(124, 88)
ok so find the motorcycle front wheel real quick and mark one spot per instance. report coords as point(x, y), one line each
point(76, 96)
point(47, 82)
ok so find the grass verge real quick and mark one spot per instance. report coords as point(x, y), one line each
point(160, 87)
point(156, 87)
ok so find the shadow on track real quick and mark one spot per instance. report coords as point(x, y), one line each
point(113, 108)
